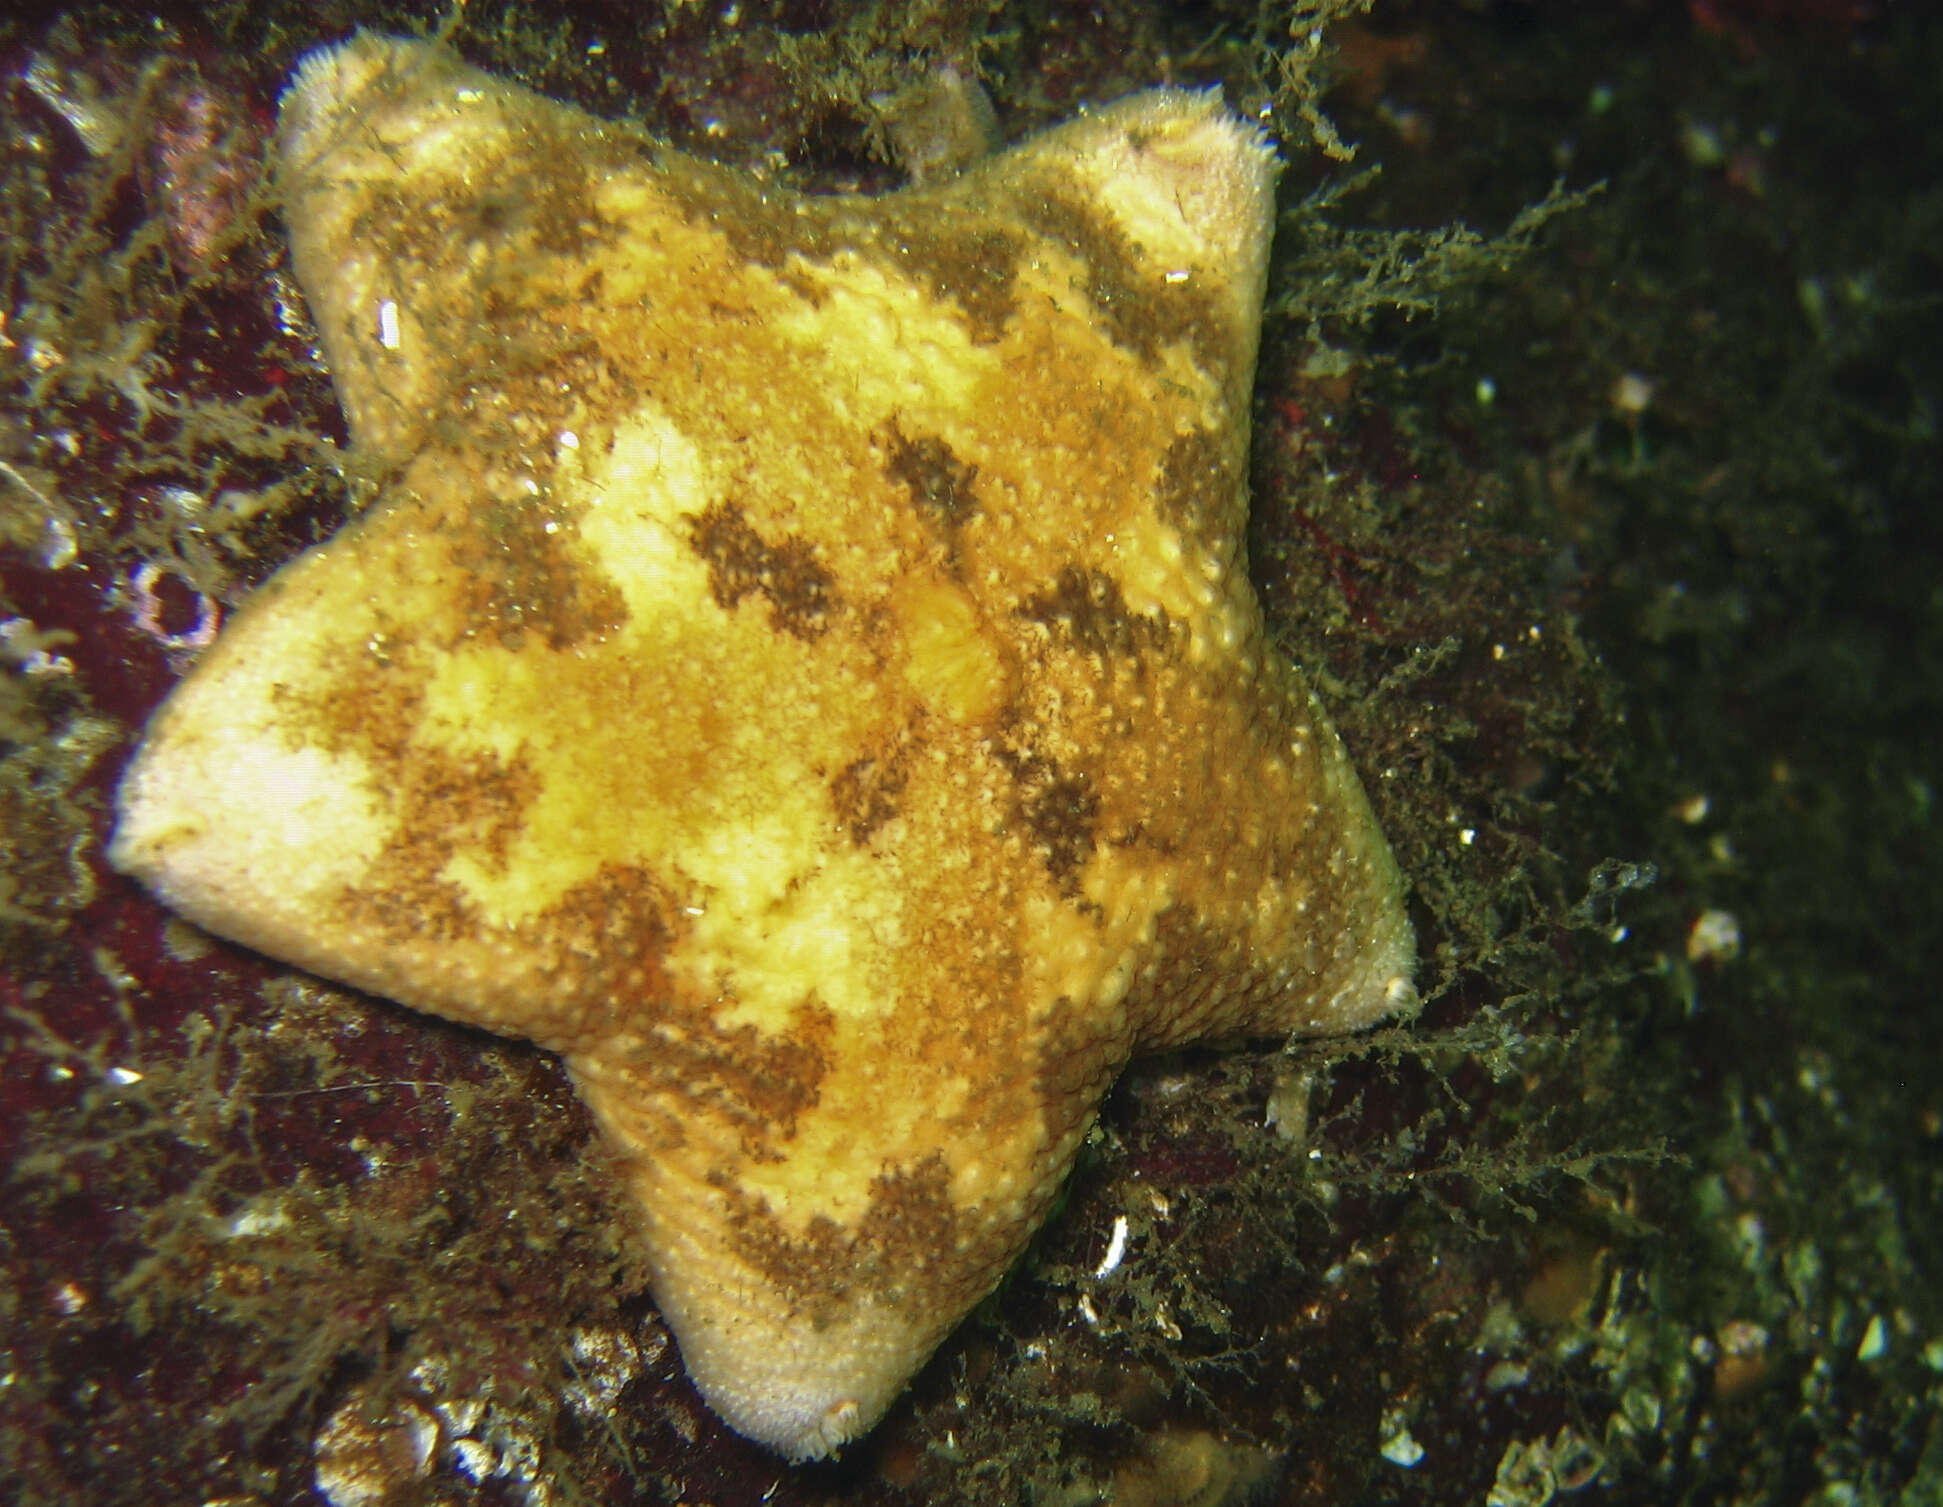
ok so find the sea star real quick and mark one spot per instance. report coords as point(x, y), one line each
point(802, 670)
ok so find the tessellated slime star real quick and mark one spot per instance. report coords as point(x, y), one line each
point(802, 670)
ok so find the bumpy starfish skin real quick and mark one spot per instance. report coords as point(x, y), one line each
point(802, 670)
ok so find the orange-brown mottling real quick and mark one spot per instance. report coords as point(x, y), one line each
point(784, 573)
point(1195, 465)
point(1058, 809)
point(523, 576)
point(1084, 608)
point(803, 670)
point(753, 1086)
point(1124, 287)
point(939, 482)
point(910, 1218)
point(865, 792)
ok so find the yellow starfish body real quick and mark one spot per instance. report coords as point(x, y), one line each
point(802, 670)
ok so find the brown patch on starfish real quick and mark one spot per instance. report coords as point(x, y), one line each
point(976, 268)
point(1059, 809)
point(356, 711)
point(1139, 311)
point(891, 1252)
point(1084, 608)
point(1199, 483)
point(740, 561)
point(865, 793)
point(520, 573)
point(755, 1083)
point(941, 485)
point(598, 949)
